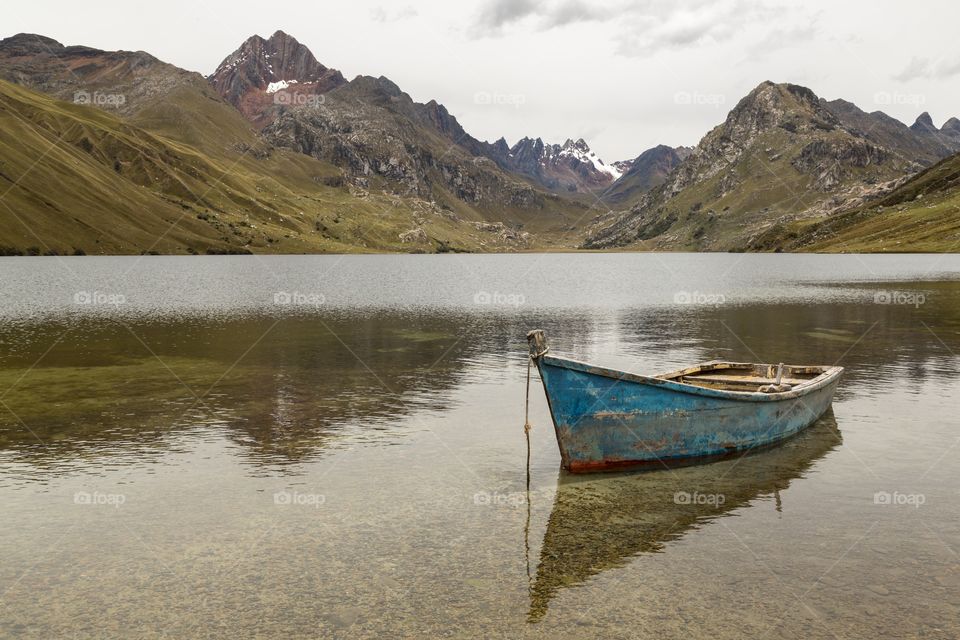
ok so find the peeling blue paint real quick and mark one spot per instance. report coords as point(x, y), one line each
point(606, 419)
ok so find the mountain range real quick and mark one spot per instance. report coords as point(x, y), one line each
point(781, 155)
point(119, 152)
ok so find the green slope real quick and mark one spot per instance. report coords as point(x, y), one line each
point(76, 178)
point(922, 215)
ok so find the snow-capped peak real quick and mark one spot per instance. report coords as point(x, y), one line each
point(582, 152)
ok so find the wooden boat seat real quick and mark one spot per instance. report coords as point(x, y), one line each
point(739, 376)
point(746, 380)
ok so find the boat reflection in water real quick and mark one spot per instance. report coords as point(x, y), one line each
point(601, 522)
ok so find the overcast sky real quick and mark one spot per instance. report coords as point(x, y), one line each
point(623, 74)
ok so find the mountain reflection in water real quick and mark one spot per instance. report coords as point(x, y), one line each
point(285, 389)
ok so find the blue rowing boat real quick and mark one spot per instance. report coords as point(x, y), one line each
point(607, 419)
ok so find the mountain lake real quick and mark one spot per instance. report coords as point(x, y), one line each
point(332, 446)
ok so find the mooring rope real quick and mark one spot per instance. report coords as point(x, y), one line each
point(526, 421)
point(526, 431)
point(538, 348)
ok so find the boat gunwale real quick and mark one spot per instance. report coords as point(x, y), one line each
point(828, 376)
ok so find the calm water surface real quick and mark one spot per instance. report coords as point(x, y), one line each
point(332, 447)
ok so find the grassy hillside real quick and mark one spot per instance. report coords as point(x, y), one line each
point(78, 179)
point(769, 188)
point(921, 215)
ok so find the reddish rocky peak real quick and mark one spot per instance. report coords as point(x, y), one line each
point(266, 73)
point(268, 65)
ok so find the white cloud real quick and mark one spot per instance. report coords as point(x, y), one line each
point(692, 23)
point(916, 68)
point(925, 68)
point(785, 38)
point(496, 14)
point(641, 27)
point(380, 14)
point(576, 11)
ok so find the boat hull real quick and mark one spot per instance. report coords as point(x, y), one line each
point(607, 420)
